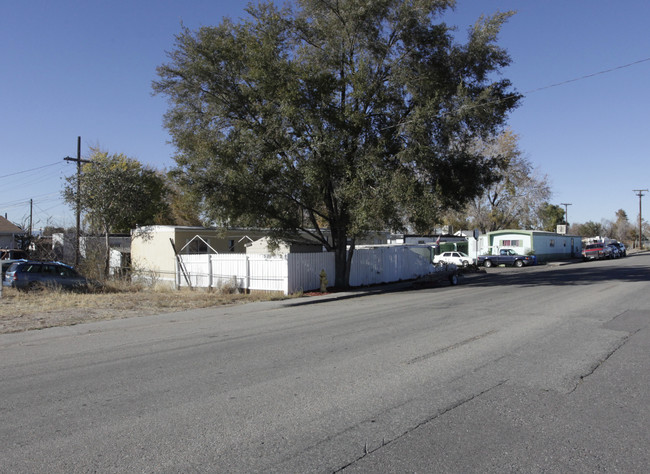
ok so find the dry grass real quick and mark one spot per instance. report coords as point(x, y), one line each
point(20, 311)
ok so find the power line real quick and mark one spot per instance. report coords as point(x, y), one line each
point(558, 84)
point(33, 169)
point(532, 91)
point(26, 200)
point(21, 188)
point(588, 76)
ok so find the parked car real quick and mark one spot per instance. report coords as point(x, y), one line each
point(506, 257)
point(621, 248)
point(596, 251)
point(457, 258)
point(614, 251)
point(7, 263)
point(27, 275)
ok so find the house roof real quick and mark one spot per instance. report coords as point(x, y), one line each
point(285, 240)
point(7, 227)
point(528, 232)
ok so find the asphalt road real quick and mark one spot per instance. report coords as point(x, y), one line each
point(541, 369)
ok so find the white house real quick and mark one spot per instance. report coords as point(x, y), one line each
point(546, 246)
point(153, 255)
point(63, 248)
point(8, 233)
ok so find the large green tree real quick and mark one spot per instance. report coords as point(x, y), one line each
point(336, 117)
point(116, 193)
point(550, 216)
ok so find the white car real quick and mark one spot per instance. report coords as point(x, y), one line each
point(458, 258)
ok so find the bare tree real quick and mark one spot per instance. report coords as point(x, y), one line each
point(621, 228)
point(515, 199)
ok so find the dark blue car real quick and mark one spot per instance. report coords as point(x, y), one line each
point(28, 275)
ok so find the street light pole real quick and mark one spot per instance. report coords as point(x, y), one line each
point(566, 213)
point(640, 194)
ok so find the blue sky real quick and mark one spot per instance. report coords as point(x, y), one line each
point(84, 68)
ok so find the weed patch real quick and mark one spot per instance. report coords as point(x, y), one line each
point(51, 307)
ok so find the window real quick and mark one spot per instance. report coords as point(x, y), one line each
point(197, 246)
point(511, 243)
point(67, 272)
point(49, 269)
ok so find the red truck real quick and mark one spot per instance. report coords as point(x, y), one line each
point(595, 251)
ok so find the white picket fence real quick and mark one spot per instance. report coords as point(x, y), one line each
point(295, 272)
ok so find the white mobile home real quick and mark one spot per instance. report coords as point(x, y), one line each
point(9, 234)
point(546, 246)
point(152, 253)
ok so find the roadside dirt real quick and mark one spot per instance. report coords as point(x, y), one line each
point(51, 308)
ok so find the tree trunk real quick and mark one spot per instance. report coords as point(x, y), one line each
point(342, 260)
point(107, 262)
point(340, 263)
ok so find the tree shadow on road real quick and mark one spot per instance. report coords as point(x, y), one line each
point(631, 269)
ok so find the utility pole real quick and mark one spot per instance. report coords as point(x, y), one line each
point(78, 160)
point(640, 194)
point(31, 216)
point(566, 213)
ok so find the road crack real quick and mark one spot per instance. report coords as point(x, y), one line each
point(600, 362)
point(449, 348)
point(367, 451)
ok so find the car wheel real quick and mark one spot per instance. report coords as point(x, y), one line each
point(519, 263)
point(453, 279)
point(487, 263)
point(465, 263)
